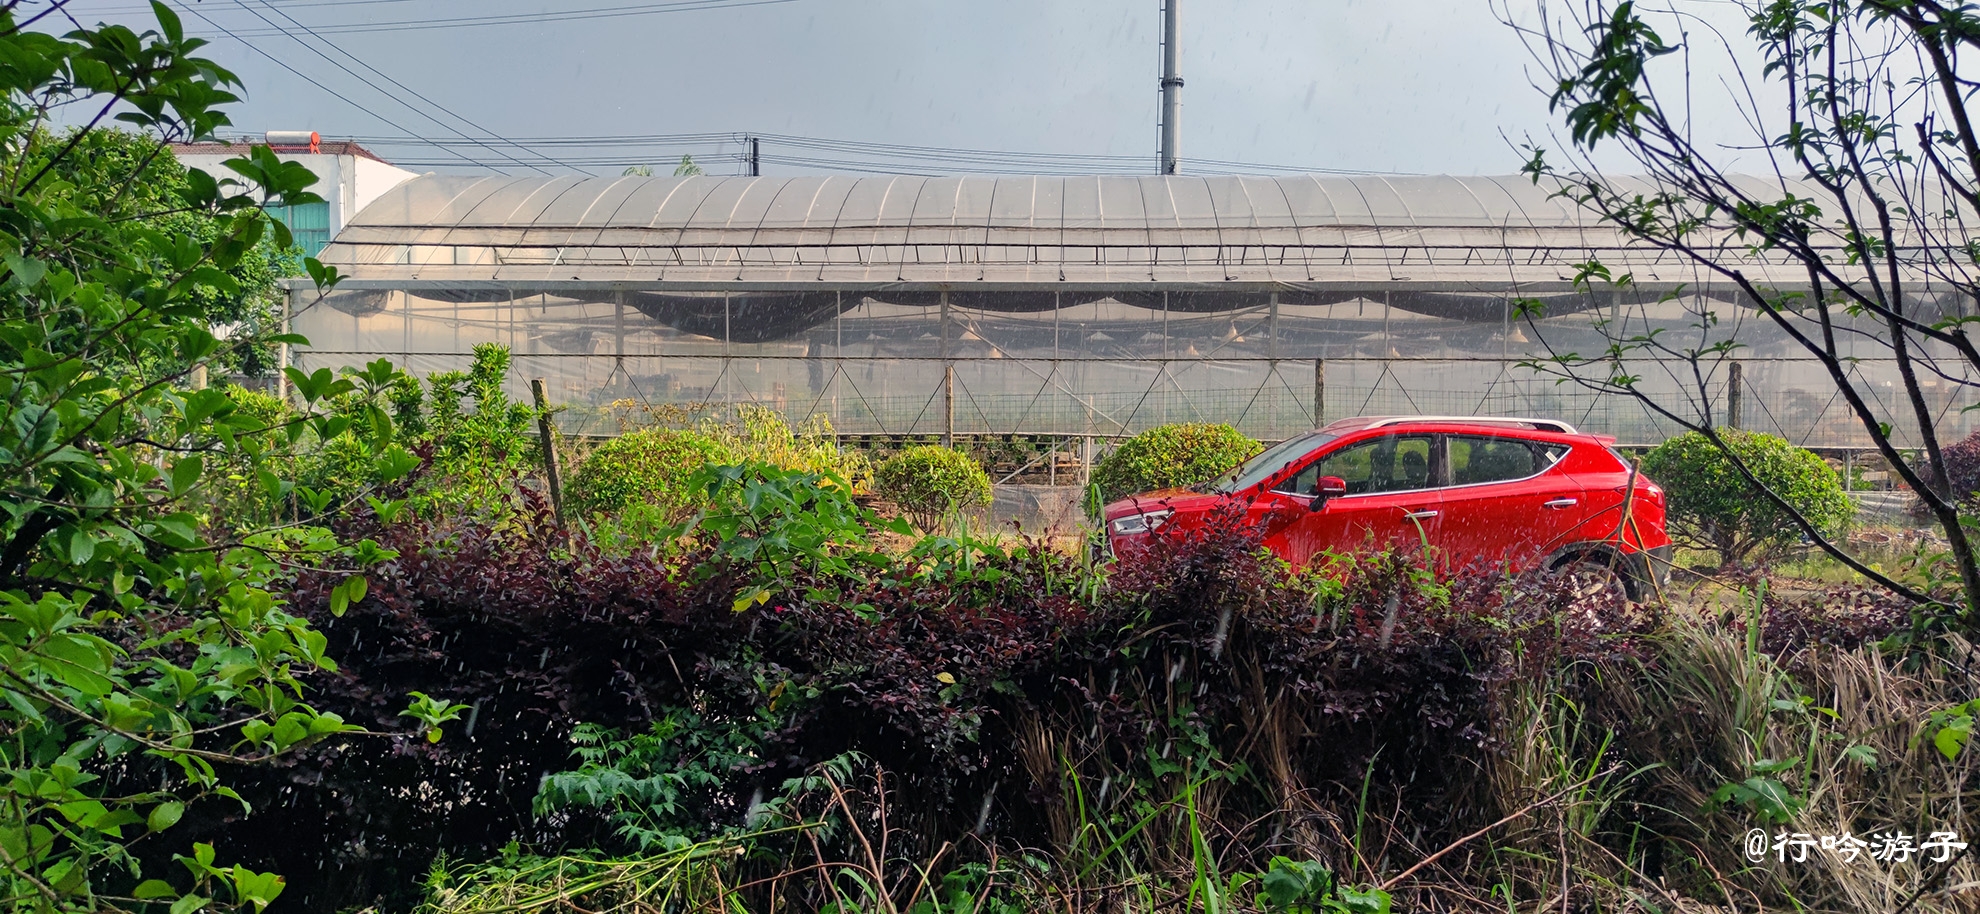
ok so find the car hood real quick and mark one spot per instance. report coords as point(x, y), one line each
point(1161, 499)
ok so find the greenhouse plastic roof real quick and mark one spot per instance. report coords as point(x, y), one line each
point(1013, 232)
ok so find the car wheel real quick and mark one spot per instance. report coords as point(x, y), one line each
point(1597, 579)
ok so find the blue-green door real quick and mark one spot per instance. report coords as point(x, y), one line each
point(309, 222)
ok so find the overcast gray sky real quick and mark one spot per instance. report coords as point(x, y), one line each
point(1396, 86)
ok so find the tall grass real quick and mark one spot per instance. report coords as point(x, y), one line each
point(1706, 737)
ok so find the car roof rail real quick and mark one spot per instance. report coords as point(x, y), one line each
point(1545, 425)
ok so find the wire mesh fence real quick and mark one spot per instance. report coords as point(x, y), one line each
point(1017, 362)
point(1267, 399)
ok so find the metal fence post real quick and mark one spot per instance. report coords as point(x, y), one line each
point(949, 405)
point(1733, 385)
point(549, 438)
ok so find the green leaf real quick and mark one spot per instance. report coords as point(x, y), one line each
point(151, 889)
point(751, 597)
point(164, 816)
point(82, 547)
point(325, 277)
point(185, 474)
point(1283, 886)
point(1371, 901)
point(26, 271)
point(1953, 737)
point(395, 463)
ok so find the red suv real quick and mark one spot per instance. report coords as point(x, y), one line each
point(1515, 493)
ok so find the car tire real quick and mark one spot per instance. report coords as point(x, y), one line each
point(1592, 576)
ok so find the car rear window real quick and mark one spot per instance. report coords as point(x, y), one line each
point(1490, 458)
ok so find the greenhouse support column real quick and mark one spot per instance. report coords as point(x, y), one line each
point(1272, 354)
point(949, 405)
point(1733, 384)
point(282, 351)
point(619, 335)
point(948, 379)
point(1272, 343)
point(1319, 392)
point(838, 365)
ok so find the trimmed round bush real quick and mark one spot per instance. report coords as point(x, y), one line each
point(930, 482)
point(1169, 456)
point(1961, 460)
point(648, 466)
point(1712, 506)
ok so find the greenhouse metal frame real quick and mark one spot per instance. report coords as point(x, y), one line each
point(1073, 307)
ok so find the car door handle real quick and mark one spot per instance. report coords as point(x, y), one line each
point(1562, 503)
point(1420, 515)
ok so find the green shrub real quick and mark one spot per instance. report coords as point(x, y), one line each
point(267, 409)
point(342, 466)
point(237, 494)
point(1712, 506)
point(651, 466)
point(482, 457)
point(759, 434)
point(930, 482)
point(1169, 456)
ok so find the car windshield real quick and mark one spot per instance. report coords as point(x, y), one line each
point(1275, 458)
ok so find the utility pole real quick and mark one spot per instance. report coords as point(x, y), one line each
point(1172, 83)
point(755, 159)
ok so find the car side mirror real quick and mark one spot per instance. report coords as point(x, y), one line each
point(1328, 487)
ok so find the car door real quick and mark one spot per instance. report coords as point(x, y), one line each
point(1391, 501)
point(1509, 501)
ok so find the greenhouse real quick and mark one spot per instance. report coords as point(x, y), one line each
point(1092, 307)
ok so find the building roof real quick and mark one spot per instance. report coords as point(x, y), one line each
point(1432, 232)
point(327, 147)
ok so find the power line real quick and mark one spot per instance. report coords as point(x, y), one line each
point(849, 155)
point(415, 93)
point(606, 12)
point(306, 78)
point(146, 8)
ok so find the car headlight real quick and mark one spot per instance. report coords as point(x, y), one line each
point(1139, 523)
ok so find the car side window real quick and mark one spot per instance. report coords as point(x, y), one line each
point(1489, 458)
point(1393, 463)
point(1305, 482)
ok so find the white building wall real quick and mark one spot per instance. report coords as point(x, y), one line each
point(370, 179)
point(347, 182)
